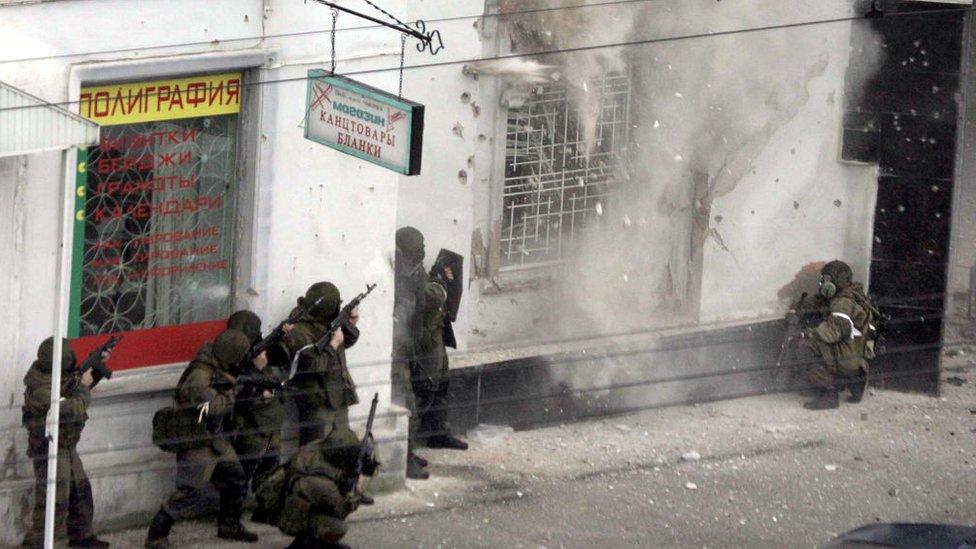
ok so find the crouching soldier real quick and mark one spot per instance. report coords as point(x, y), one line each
point(841, 344)
point(73, 507)
point(310, 496)
point(203, 405)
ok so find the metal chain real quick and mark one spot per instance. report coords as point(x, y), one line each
point(403, 53)
point(335, 17)
point(388, 14)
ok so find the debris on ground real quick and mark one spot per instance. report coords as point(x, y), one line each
point(488, 434)
point(691, 456)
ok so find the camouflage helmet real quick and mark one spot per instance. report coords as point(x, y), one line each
point(247, 322)
point(230, 347)
point(46, 352)
point(329, 306)
point(840, 273)
point(410, 241)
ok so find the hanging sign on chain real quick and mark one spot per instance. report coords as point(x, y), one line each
point(365, 122)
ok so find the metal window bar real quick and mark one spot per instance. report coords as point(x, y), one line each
point(551, 184)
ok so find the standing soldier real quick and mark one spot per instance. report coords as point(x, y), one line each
point(259, 407)
point(323, 388)
point(205, 399)
point(73, 508)
point(420, 364)
point(842, 342)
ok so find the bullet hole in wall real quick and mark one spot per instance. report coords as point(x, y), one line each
point(463, 177)
point(838, 203)
point(465, 97)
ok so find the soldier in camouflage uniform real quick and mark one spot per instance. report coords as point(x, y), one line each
point(420, 364)
point(259, 413)
point(206, 390)
point(840, 344)
point(308, 498)
point(73, 497)
point(323, 388)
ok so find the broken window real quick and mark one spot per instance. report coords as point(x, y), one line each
point(554, 179)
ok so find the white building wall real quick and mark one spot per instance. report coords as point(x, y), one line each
point(758, 241)
point(317, 214)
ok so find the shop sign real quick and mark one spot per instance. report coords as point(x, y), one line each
point(365, 122)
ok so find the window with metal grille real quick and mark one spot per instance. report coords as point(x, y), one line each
point(552, 182)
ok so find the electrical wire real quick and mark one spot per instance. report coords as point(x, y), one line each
point(543, 53)
point(311, 33)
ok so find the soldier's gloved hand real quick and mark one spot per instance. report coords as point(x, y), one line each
point(337, 339)
point(261, 361)
point(87, 378)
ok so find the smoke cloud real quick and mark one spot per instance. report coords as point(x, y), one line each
point(703, 110)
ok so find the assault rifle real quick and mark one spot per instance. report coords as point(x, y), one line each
point(251, 385)
point(340, 322)
point(93, 361)
point(793, 329)
point(278, 333)
point(365, 461)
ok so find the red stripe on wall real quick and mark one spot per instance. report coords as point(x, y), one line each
point(153, 347)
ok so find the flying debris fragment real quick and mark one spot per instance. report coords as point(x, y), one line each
point(514, 69)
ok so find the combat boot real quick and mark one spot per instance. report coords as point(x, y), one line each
point(235, 531)
point(827, 400)
point(229, 523)
point(858, 386)
point(415, 470)
point(448, 441)
point(158, 535)
point(420, 461)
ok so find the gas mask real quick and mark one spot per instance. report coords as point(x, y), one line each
point(827, 287)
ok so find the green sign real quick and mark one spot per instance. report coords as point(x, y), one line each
point(365, 122)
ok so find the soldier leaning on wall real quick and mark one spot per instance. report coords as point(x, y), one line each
point(420, 365)
point(204, 402)
point(842, 343)
point(74, 506)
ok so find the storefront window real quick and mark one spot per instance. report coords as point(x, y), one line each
point(155, 221)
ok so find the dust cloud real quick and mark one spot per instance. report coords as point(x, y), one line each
point(702, 110)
